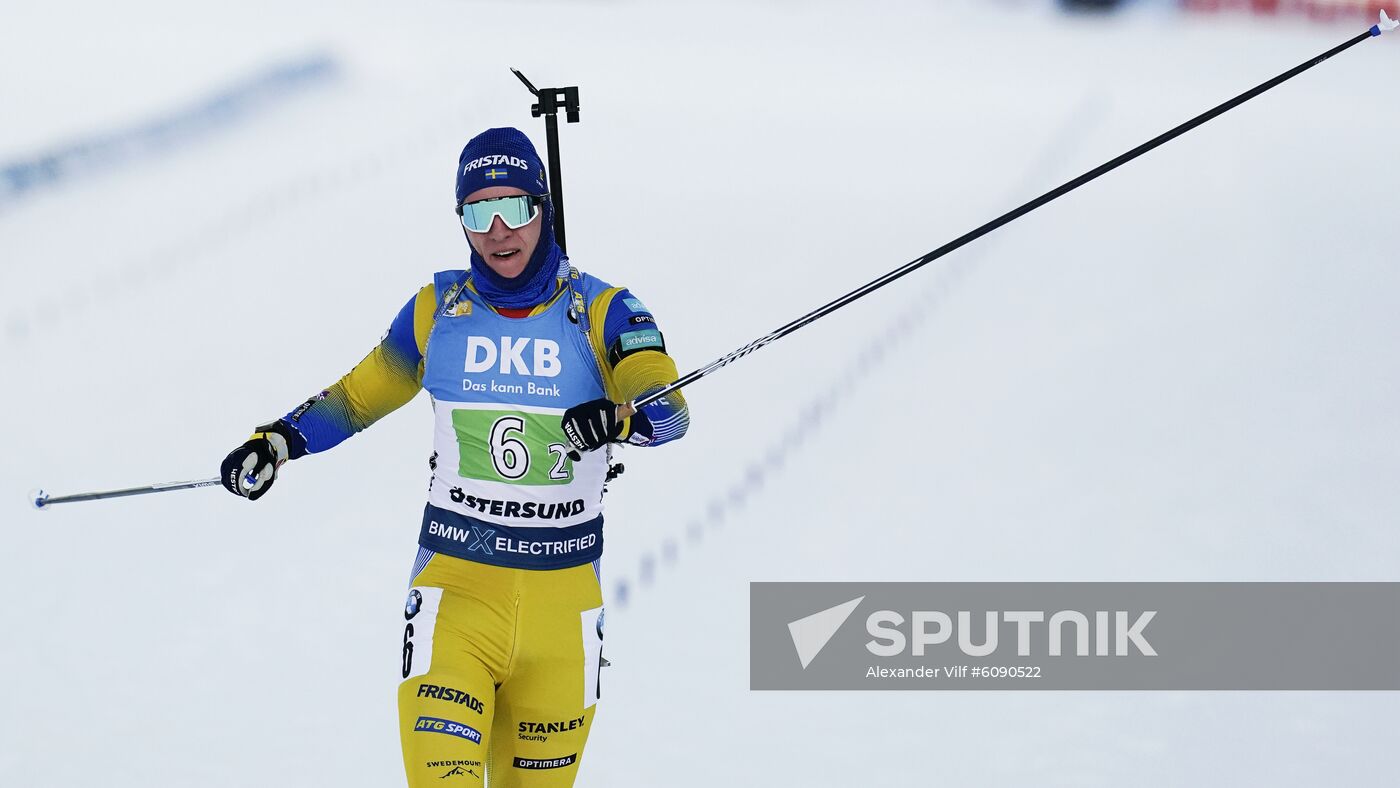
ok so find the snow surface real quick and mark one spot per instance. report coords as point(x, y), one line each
point(1185, 371)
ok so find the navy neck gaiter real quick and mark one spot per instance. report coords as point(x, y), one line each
point(536, 283)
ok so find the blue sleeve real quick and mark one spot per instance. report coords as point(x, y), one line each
point(637, 356)
point(625, 312)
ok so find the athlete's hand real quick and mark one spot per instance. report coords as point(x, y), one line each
point(249, 470)
point(591, 425)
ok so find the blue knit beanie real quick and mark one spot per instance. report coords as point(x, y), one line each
point(500, 157)
point(505, 157)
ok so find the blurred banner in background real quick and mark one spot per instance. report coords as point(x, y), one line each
point(1317, 10)
point(180, 126)
point(1321, 10)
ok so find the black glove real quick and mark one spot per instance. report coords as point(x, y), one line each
point(249, 470)
point(591, 425)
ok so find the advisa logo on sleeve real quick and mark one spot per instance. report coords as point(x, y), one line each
point(635, 341)
point(646, 338)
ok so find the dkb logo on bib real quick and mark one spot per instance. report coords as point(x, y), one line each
point(483, 354)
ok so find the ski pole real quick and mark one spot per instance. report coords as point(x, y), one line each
point(43, 500)
point(627, 408)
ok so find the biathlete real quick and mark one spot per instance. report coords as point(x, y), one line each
point(526, 360)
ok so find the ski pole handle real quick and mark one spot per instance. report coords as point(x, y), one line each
point(42, 500)
point(624, 411)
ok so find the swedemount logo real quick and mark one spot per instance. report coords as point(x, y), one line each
point(811, 633)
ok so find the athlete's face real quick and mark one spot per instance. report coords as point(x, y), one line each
point(505, 250)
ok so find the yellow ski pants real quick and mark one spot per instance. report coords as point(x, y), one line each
point(500, 673)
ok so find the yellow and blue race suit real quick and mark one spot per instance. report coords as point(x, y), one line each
point(503, 626)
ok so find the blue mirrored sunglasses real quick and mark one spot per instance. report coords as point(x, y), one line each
point(516, 211)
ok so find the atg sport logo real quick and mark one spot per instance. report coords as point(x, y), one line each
point(894, 633)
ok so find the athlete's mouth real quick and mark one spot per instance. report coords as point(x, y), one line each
point(505, 254)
